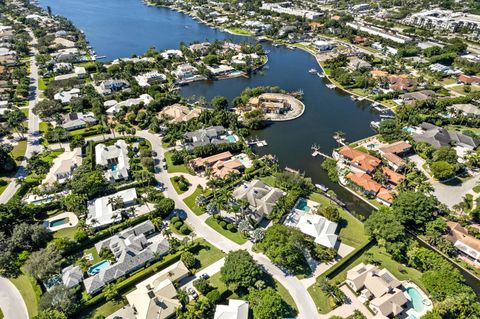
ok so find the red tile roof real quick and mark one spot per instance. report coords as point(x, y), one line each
point(392, 176)
point(386, 195)
point(359, 159)
point(365, 181)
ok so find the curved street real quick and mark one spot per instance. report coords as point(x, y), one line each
point(11, 301)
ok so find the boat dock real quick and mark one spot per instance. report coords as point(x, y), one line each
point(316, 151)
point(291, 170)
point(257, 142)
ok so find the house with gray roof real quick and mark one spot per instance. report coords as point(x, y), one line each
point(77, 120)
point(132, 248)
point(204, 136)
point(261, 198)
point(439, 136)
point(464, 110)
point(72, 276)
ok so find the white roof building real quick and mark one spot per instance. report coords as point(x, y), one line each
point(63, 166)
point(236, 309)
point(115, 107)
point(101, 213)
point(148, 78)
point(168, 54)
point(316, 226)
point(66, 96)
point(114, 158)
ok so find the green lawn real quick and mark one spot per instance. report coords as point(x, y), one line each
point(207, 254)
point(321, 300)
point(3, 187)
point(18, 151)
point(93, 251)
point(460, 88)
point(30, 292)
point(351, 230)
point(176, 187)
point(85, 130)
point(1, 314)
point(269, 180)
point(239, 31)
point(171, 168)
point(25, 111)
point(190, 201)
point(66, 233)
point(43, 127)
point(235, 237)
point(104, 310)
point(42, 86)
point(361, 92)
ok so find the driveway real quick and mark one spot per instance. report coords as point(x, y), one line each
point(303, 300)
point(447, 194)
point(11, 301)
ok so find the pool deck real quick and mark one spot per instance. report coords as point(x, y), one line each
point(72, 221)
point(410, 311)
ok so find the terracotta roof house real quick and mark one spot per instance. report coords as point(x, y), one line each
point(401, 83)
point(222, 164)
point(380, 287)
point(364, 182)
point(385, 196)
point(466, 79)
point(466, 244)
point(179, 113)
point(394, 152)
point(392, 176)
point(378, 74)
point(359, 161)
point(261, 197)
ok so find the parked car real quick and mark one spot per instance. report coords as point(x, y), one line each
point(204, 276)
point(192, 293)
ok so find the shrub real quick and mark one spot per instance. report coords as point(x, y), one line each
point(188, 259)
point(222, 224)
point(202, 285)
point(80, 235)
point(214, 296)
point(182, 186)
point(184, 229)
point(178, 224)
point(175, 219)
point(230, 227)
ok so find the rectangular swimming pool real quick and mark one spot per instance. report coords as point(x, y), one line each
point(58, 222)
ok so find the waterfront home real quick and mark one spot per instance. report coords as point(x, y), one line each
point(132, 248)
point(112, 106)
point(66, 96)
point(109, 86)
point(169, 54)
point(379, 288)
point(467, 245)
point(464, 110)
point(64, 166)
point(358, 64)
point(220, 70)
point(393, 153)
point(242, 58)
point(419, 96)
point(146, 79)
point(261, 198)
point(438, 137)
point(80, 72)
point(275, 103)
point(357, 160)
point(364, 182)
point(62, 67)
point(179, 113)
point(63, 43)
point(209, 135)
point(219, 165)
point(72, 276)
point(392, 177)
point(107, 210)
point(114, 158)
point(185, 73)
point(134, 60)
point(77, 120)
point(323, 45)
point(67, 55)
point(155, 297)
point(236, 309)
point(310, 223)
point(200, 48)
point(401, 83)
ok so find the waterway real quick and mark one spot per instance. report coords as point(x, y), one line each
point(120, 28)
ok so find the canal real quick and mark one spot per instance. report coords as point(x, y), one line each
point(120, 28)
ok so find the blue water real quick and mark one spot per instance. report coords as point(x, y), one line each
point(231, 138)
point(120, 28)
point(411, 317)
point(114, 167)
point(95, 269)
point(417, 299)
point(58, 222)
point(302, 205)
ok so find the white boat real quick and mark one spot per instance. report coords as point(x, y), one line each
point(387, 116)
point(331, 86)
point(312, 71)
point(353, 97)
point(291, 47)
point(321, 75)
point(375, 124)
point(360, 98)
point(322, 187)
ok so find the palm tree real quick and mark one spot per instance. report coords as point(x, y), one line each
point(167, 233)
point(158, 223)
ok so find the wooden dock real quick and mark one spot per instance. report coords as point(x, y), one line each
point(316, 151)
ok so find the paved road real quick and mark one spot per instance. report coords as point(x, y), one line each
point(11, 301)
point(306, 306)
point(33, 143)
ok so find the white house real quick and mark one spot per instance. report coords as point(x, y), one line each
point(148, 78)
point(114, 158)
point(113, 106)
point(236, 309)
point(102, 213)
point(66, 96)
point(324, 45)
point(63, 166)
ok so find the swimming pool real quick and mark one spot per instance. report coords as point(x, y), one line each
point(416, 299)
point(231, 138)
point(58, 222)
point(302, 205)
point(95, 269)
point(114, 167)
point(411, 317)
